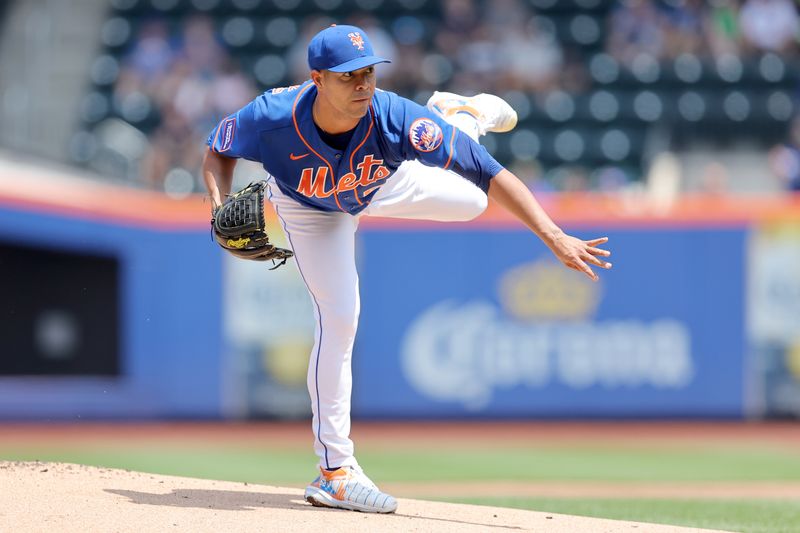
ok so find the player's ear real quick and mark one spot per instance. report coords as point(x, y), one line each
point(316, 77)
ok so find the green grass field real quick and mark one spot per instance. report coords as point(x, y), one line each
point(751, 516)
point(293, 466)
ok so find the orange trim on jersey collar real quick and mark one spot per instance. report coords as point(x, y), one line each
point(297, 129)
point(353, 153)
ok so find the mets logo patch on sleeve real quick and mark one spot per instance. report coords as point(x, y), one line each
point(425, 135)
point(226, 130)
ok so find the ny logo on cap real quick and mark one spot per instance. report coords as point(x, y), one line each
point(356, 39)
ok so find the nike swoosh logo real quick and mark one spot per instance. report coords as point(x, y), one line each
point(296, 157)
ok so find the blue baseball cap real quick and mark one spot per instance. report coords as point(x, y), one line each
point(341, 49)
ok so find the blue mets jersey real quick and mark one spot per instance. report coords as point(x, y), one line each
point(278, 131)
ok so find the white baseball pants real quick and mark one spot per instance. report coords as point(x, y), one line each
point(324, 248)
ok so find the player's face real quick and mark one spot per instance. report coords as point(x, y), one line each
point(349, 93)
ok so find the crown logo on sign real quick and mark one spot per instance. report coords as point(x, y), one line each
point(356, 39)
point(544, 290)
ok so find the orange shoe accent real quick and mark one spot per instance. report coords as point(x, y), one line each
point(341, 475)
point(335, 474)
point(468, 109)
point(348, 488)
point(462, 108)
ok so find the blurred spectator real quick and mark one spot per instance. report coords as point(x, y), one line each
point(200, 46)
point(415, 69)
point(770, 25)
point(502, 17)
point(198, 103)
point(173, 144)
point(635, 27)
point(142, 71)
point(460, 18)
point(532, 57)
point(573, 76)
point(201, 58)
point(784, 159)
point(665, 30)
point(231, 89)
point(176, 88)
point(150, 57)
point(683, 28)
point(722, 28)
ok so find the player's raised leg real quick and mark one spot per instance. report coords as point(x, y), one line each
point(417, 191)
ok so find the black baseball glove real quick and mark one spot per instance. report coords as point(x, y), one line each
point(238, 226)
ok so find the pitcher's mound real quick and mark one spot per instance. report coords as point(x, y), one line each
point(65, 497)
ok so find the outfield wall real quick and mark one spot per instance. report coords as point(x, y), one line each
point(119, 305)
point(486, 321)
point(112, 303)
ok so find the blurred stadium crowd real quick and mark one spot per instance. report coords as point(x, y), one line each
point(601, 87)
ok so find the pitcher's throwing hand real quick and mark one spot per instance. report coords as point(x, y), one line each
point(581, 255)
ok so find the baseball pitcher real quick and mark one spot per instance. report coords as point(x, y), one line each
point(335, 149)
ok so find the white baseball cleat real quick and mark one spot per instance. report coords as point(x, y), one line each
point(348, 488)
point(492, 112)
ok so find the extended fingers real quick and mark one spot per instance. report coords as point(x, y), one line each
point(598, 251)
point(583, 267)
point(585, 254)
point(580, 265)
point(597, 261)
point(592, 252)
point(595, 242)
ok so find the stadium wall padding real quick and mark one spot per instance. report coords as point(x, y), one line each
point(464, 320)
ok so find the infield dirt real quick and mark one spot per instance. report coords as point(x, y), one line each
point(39, 496)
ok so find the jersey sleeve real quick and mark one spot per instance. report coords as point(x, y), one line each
point(418, 133)
point(237, 135)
